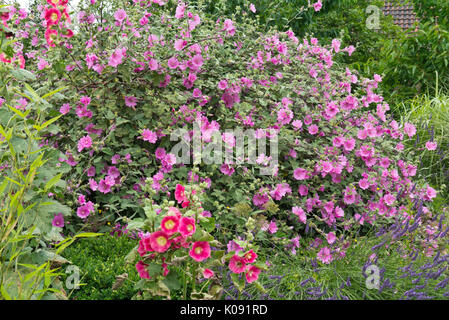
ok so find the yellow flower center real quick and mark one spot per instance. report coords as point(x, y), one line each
point(190, 227)
point(162, 241)
point(169, 224)
point(54, 17)
point(198, 250)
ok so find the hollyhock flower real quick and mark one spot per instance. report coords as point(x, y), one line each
point(180, 193)
point(297, 124)
point(228, 139)
point(58, 221)
point(81, 200)
point(159, 241)
point(170, 224)
point(250, 256)
point(208, 273)
point(331, 237)
point(104, 186)
point(317, 6)
point(300, 213)
point(324, 255)
point(350, 50)
point(389, 199)
point(364, 184)
point(142, 270)
point(336, 45)
point(349, 144)
point(50, 35)
point(200, 251)
point(430, 145)
point(130, 101)
point(85, 100)
point(52, 16)
point(252, 273)
point(148, 135)
point(409, 129)
point(284, 116)
point(120, 15)
point(186, 226)
point(84, 143)
point(237, 264)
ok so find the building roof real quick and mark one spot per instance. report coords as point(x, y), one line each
point(403, 14)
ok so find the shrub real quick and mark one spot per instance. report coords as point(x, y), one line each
point(100, 260)
point(139, 77)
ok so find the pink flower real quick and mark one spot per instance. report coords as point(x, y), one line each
point(237, 264)
point(409, 129)
point(300, 213)
point(300, 174)
point(186, 226)
point(325, 255)
point(58, 221)
point(200, 251)
point(173, 63)
point(120, 15)
point(349, 144)
point(180, 9)
point(84, 143)
point(52, 16)
point(65, 108)
point(170, 224)
point(142, 270)
point(317, 6)
point(272, 227)
point(229, 27)
point(330, 237)
point(430, 192)
point(149, 136)
point(117, 57)
point(159, 241)
point(208, 273)
point(430, 145)
point(130, 101)
point(223, 84)
point(250, 256)
point(85, 210)
point(252, 7)
point(252, 273)
point(180, 44)
point(313, 129)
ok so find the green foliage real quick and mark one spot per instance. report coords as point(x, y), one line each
point(430, 115)
point(412, 63)
point(100, 261)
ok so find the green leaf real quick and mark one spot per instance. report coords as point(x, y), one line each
point(172, 281)
point(52, 181)
point(23, 75)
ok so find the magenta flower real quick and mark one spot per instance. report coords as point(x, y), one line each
point(173, 63)
point(65, 108)
point(142, 270)
point(325, 255)
point(120, 15)
point(200, 251)
point(149, 136)
point(252, 8)
point(409, 129)
point(237, 264)
point(430, 145)
point(58, 221)
point(252, 273)
point(300, 213)
point(186, 226)
point(208, 273)
point(159, 241)
point(84, 143)
point(317, 6)
point(331, 237)
point(130, 101)
point(170, 224)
